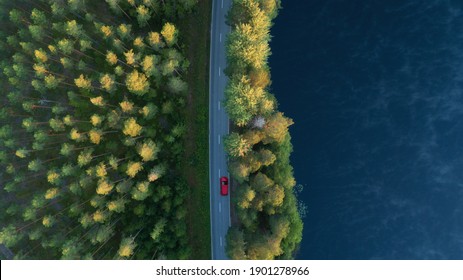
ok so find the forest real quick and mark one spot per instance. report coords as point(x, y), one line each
point(92, 130)
point(96, 161)
point(269, 224)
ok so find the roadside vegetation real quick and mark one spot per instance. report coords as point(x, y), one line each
point(196, 36)
point(259, 147)
point(92, 129)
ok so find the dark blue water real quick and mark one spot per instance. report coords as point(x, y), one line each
point(376, 92)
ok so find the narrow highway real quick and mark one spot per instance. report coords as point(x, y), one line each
point(218, 128)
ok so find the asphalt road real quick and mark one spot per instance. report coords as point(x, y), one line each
point(218, 127)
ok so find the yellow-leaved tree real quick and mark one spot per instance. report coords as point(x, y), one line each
point(169, 33)
point(126, 247)
point(137, 83)
point(148, 150)
point(133, 168)
point(132, 128)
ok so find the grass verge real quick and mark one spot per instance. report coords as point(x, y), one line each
point(195, 30)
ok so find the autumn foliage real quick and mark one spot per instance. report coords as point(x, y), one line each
point(269, 225)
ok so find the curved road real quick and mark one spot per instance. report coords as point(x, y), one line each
point(218, 127)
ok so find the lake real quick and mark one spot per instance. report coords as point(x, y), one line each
point(375, 90)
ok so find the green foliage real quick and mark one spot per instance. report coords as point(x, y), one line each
point(124, 30)
point(143, 15)
point(65, 46)
point(236, 146)
point(177, 85)
point(57, 125)
point(83, 86)
point(244, 101)
point(156, 172)
point(74, 29)
point(84, 157)
point(117, 205)
point(276, 128)
point(9, 236)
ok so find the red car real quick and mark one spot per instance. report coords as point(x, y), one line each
point(224, 185)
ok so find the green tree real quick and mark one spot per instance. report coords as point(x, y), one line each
point(236, 145)
point(276, 128)
point(80, 140)
point(57, 125)
point(74, 29)
point(9, 236)
point(66, 46)
point(149, 65)
point(84, 157)
point(37, 32)
point(246, 48)
point(156, 172)
point(158, 230)
point(242, 101)
point(236, 245)
point(35, 165)
point(176, 85)
point(239, 171)
point(143, 15)
point(117, 205)
point(263, 248)
point(76, 5)
point(245, 196)
point(266, 157)
point(71, 250)
point(124, 30)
